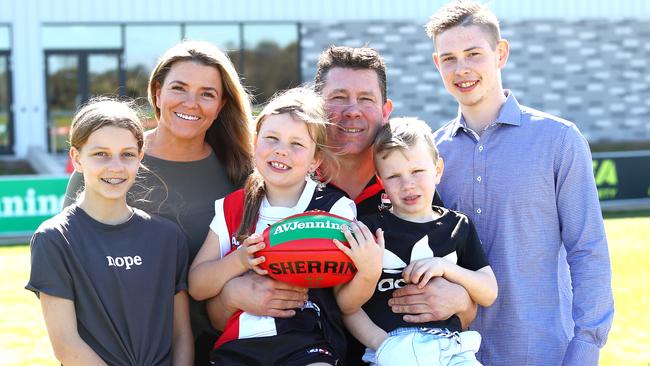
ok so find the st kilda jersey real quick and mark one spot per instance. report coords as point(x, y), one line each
point(320, 313)
point(451, 236)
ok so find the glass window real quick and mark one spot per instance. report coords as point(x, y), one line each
point(73, 77)
point(5, 132)
point(226, 37)
point(64, 97)
point(103, 74)
point(5, 120)
point(144, 45)
point(82, 37)
point(5, 38)
point(270, 59)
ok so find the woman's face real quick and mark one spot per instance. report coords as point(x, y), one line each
point(189, 99)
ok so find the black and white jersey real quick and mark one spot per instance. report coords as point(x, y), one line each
point(452, 236)
point(320, 313)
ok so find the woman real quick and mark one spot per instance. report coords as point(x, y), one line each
point(200, 150)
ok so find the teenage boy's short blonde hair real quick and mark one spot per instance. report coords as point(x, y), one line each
point(465, 14)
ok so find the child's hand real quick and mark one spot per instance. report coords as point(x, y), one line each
point(422, 270)
point(246, 252)
point(366, 251)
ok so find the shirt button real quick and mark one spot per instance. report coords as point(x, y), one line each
point(480, 148)
point(478, 179)
point(478, 210)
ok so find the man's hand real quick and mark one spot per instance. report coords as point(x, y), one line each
point(262, 295)
point(439, 300)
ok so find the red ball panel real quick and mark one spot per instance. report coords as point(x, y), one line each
point(299, 250)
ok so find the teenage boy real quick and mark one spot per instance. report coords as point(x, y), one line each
point(525, 179)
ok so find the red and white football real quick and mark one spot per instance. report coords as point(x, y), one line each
point(299, 250)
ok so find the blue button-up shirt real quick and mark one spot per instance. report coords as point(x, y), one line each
point(528, 185)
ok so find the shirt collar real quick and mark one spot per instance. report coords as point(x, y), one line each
point(509, 114)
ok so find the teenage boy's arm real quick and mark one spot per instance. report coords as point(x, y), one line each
point(182, 341)
point(438, 300)
point(61, 323)
point(367, 255)
point(583, 235)
point(364, 329)
point(481, 284)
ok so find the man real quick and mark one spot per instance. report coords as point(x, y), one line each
point(352, 82)
point(525, 179)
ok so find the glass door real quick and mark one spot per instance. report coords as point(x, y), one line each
point(73, 78)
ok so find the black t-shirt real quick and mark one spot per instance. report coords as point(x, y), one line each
point(121, 278)
point(370, 201)
point(451, 236)
point(183, 192)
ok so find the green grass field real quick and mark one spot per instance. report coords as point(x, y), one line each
point(24, 341)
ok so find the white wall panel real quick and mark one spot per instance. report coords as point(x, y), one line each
point(7, 10)
point(28, 78)
point(308, 10)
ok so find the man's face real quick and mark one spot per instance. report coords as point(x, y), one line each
point(354, 105)
point(469, 66)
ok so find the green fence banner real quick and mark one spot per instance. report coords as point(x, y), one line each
point(26, 201)
point(622, 176)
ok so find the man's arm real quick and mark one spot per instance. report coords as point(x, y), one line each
point(438, 300)
point(583, 235)
point(258, 295)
